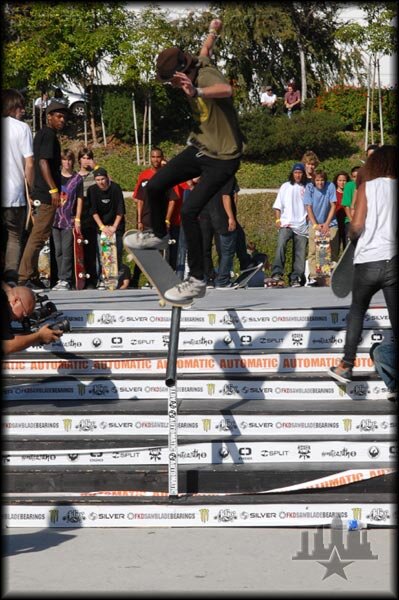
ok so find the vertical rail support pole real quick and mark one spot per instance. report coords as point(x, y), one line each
point(171, 383)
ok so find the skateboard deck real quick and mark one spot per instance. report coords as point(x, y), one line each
point(78, 251)
point(323, 259)
point(156, 269)
point(272, 283)
point(342, 277)
point(245, 276)
point(44, 264)
point(109, 261)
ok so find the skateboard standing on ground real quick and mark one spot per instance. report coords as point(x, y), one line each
point(159, 273)
point(323, 259)
point(109, 261)
point(342, 277)
point(44, 264)
point(246, 275)
point(78, 251)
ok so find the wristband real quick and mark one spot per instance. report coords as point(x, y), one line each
point(102, 227)
point(53, 191)
point(213, 32)
point(278, 220)
point(314, 225)
point(77, 220)
point(167, 222)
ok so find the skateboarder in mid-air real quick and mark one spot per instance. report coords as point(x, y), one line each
point(213, 152)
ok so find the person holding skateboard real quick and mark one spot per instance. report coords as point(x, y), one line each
point(213, 152)
point(319, 200)
point(108, 209)
point(64, 222)
point(374, 229)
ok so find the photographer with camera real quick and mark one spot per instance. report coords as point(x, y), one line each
point(17, 303)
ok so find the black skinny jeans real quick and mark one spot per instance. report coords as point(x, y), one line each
point(368, 279)
point(188, 164)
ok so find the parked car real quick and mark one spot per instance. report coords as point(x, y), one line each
point(74, 100)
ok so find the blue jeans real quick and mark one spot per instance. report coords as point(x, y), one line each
point(368, 279)
point(227, 250)
point(384, 357)
point(300, 242)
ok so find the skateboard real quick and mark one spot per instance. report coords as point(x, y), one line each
point(245, 276)
point(159, 273)
point(323, 259)
point(109, 261)
point(272, 283)
point(342, 276)
point(78, 251)
point(44, 264)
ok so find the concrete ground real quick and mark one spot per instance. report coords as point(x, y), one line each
point(186, 562)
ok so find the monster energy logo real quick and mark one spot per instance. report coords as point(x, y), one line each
point(90, 318)
point(206, 423)
point(211, 389)
point(212, 319)
point(341, 390)
point(347, 424)
point(357, 513)
point(67, 424)
point(204, 515)
point(54, 514)
point(81, 389)
point(334, 317)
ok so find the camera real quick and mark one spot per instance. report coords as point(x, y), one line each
point(46, 314)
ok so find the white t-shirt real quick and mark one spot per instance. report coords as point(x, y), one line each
point(378, 238)
point(265, 97)
point(18, 145)
point(289, 202)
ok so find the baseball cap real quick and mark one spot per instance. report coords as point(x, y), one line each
point(298, 167)
point(56, 106)
point(171, 60)
point(100, 172)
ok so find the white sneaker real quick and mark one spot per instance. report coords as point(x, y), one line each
point(61, 285)
point(187, 290)
point(144, 240)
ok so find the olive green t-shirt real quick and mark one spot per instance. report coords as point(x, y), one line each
point(217, 133)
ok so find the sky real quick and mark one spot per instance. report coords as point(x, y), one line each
point(388, 70)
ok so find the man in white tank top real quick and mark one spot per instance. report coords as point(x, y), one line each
point(374, 226)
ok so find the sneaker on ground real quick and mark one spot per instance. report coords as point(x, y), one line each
point(341, 372)
point(187, 290)
point(145, 240)
point(311, 282)
point(61, 285)
point(101, 285)
point(392, 395)
point(295, 283)
point(277, 277)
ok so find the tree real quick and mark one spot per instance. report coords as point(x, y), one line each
point(57, 42)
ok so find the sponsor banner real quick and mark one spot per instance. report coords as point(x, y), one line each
point(316, 318)
point(335, 480)
point(216, 452)
point(113, 389)
point(205, 364)
point(213, 340)
point(199, 425)
point(281, 514)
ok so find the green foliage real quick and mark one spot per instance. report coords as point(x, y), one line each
point(351, 103)
point(273, 139)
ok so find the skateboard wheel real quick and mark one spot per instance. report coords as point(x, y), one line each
point(36, 203)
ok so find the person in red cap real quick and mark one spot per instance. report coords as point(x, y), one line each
point(213, 153)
